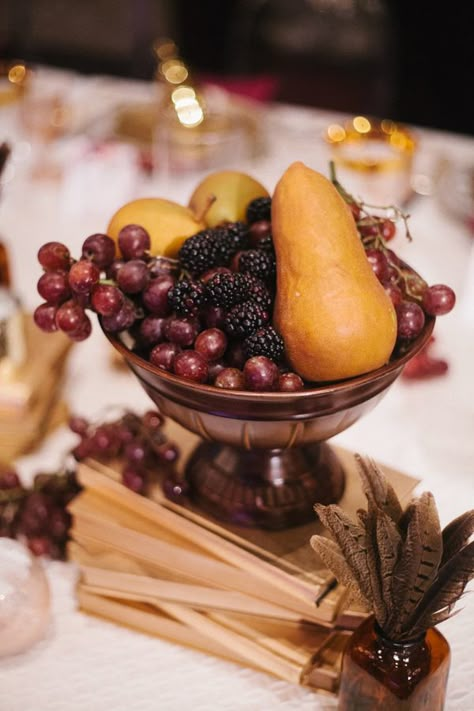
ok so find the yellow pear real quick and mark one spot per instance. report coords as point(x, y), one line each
point(223, 196)
point(335, 317)
point(168, 223)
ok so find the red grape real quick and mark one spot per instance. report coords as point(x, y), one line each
point(259, 230)
point(106, 299)
point(394, 293)
point(153, 420)
point(235, 355)
point(9, 479)
point(133, 276)
point(53, 286)
point(134, 241)
point(114, 269)
point(215, 367)
point(58, 524)
point(100, 249)
point(150, 331)
point(438, 300)
point(120, 321)
point(163, 355)
point(379, 263)
point(134, 478)
point(83, 331)
point(290, 383)
point(78, 425)
point(155, 295)
point(70, 316)
point(168, 452)
point(211, 343)
point(44, 317)
point(54, 255)
point(136, 451)
point(40, 545)
point(182, 331)
point(388, 230)
point(214, 316)
point(260, 373)
point(230, 379)
point(83, 275)
point(410, 318)
point(191, 365)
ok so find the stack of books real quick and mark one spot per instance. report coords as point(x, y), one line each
point(259, 598)
point(30, 395)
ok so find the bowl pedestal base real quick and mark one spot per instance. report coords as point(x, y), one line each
point(264, 488)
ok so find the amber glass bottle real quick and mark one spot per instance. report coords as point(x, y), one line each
point(394, 676)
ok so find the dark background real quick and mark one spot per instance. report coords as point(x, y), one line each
point(409, 61)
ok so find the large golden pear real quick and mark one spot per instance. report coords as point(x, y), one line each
point(223, 196)
point(168, 223)
point(335, 317)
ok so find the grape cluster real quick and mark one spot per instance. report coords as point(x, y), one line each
point(37, 516)
point(411, 296)
point(207, 316)
point(137, 443)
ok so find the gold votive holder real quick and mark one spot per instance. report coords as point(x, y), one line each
point(373, 159)
point(14, 77)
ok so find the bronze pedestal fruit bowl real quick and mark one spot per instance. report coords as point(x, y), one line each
point(264, 460)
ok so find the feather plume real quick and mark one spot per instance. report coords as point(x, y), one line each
point(350, 538)
point(373, 565)
point(456, 534)
point(331, 555)
point(377, 489)
point(389, 543)
point(439, 600)
point(418, 562)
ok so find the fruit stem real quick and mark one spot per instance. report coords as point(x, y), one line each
point(210, 200)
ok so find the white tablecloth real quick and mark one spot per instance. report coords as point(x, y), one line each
point(424, 428)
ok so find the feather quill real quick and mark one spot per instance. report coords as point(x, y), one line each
point(456, 534)
point(418, 562)
point(377, 489)
point(439, 600)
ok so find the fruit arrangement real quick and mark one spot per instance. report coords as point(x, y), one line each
point(246, 291)
point(38, 516)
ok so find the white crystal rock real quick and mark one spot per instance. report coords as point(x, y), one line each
point(24, 598)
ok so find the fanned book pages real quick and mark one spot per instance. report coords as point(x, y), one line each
point(258, 598)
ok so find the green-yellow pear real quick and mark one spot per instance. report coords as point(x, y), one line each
point(168, 223)
point(223, 196)
point(335, 317)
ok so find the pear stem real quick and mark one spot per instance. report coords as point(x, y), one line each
point(210, 200)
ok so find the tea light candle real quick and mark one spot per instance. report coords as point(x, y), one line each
point(24, 598)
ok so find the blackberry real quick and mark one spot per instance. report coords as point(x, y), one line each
point(200, 252)
point(258, 292)
point(233, 237)
point(244, 319)
point(259, 209)
point(265, 341)
point(266, 244)
point(226, 290)
point(259, 263)
point(186, 297)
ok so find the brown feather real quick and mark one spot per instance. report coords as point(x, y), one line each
point(445, 591)
point(418, 561)
point(330, 554)
point(456, 534)
point(373, 565)
point(389, 543)
point(350, 538)
point(378, 489)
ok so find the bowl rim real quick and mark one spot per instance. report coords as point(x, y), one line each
point(331, 388)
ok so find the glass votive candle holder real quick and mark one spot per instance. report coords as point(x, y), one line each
point(373, 159)
point(193, 136)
